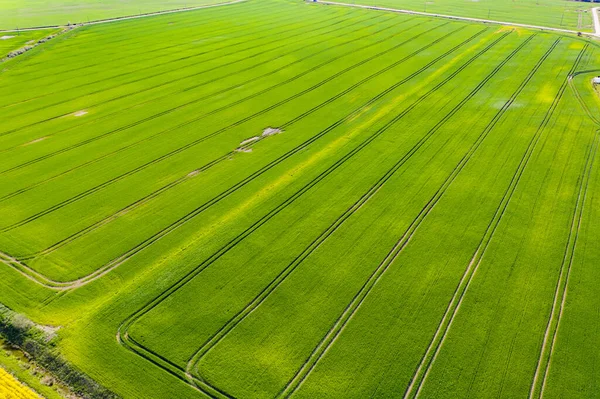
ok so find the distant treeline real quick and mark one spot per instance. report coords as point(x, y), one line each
point(23, 334)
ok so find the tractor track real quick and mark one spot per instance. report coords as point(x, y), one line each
point(232, 125)
point(123, 330)
point(430, 355)
point(191, 174)
point(147, 242)
point(145, 139)
point(352, 308)
point(14, 130)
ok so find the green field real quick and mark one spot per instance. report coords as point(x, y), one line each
point(565, 14)
point(276, 198)
point(29, 13)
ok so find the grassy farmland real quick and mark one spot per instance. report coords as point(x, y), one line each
point(11, 41)
point(573, 15)
point(276, 198)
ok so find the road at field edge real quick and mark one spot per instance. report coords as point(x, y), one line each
point(489, 21)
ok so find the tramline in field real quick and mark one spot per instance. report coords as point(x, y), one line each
point(275, 198)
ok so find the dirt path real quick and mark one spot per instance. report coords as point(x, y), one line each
point(145, 15)
point(27, 47)
point(488, 21)
point(596, 21)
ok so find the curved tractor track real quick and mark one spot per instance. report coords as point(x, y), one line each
point(123, 334)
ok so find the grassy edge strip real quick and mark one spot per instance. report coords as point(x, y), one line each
point(40, 348)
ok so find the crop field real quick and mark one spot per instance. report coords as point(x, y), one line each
point(276, 198)
point(16, 14)
point(566, 14)
point(10, 388)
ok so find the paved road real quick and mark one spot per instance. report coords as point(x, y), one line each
point(489, 21)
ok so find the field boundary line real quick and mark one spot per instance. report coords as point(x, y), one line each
point(466, 19)
point(127, 17)
point(122, 332)
point(437, 341)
